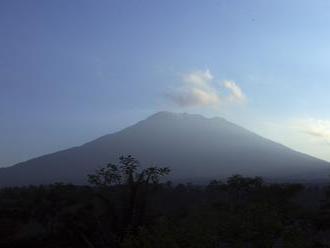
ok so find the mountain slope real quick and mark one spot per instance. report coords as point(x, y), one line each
point(191, 145)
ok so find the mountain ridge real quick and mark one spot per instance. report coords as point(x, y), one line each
point(192, 145)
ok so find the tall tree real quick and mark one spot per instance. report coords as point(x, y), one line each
point(129, 175)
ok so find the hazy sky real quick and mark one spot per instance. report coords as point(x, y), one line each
point(71, 71)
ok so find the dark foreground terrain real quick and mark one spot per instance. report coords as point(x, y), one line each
point(126, 206)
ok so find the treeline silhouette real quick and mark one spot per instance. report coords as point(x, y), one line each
point(128, 206)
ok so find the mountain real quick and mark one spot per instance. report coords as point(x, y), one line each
point(194, 147)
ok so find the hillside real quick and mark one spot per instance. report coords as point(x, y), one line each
point(194, 147)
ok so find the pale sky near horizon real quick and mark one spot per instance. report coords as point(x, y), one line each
point(74, 70)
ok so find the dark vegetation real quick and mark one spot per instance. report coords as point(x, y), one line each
point(127, 206)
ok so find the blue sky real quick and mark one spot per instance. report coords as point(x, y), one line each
point(71, 71)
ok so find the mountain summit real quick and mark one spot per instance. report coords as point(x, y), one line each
point(191, 145)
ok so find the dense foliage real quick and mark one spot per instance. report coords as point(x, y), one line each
point(126, 206)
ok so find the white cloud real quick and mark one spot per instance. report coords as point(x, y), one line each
point(198, 89)
point(198, 78)
point(236, 93)
point(319, 129)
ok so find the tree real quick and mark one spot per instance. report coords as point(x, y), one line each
point(127, 172)
point(136, 180)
